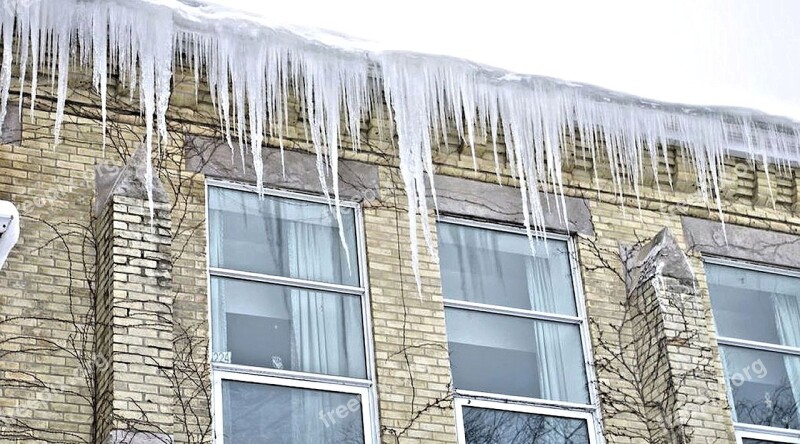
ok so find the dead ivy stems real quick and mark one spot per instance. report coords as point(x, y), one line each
point(624, 383)
point(190, 374)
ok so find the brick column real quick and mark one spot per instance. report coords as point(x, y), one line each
point(680, 373)
point(412, 363)
point(134, 309)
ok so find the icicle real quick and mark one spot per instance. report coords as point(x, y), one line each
point(63, 43)
point(24, 31)
point(7, 29)
point(253, 71)
point(100, 70)
point(415, 109)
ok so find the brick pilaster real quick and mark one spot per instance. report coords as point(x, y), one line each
point(134, 310)
point(679, 371)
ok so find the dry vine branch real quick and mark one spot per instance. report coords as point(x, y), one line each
point(189, 376)
point(628, 369)
point(415, 410)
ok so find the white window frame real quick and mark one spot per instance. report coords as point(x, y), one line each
point(752, 431)
point(286, 378)
point(741, 435)
point(590, 412)
point(460, 403)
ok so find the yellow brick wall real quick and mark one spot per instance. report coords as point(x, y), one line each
point(46, 286)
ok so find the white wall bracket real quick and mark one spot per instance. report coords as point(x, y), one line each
point(9, 229)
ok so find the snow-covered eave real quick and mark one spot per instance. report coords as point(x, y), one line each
point(251, 68)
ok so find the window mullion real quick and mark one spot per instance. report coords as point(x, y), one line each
point(537, 402)
point(755, 345)
point(292, 374)
point(286, 281)
point(508, 311)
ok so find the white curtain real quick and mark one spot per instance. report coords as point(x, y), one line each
point(787, 315)
point(557, 381)
point(326, 336)
point(482, 272)
point(218, 319)
point(325, 330)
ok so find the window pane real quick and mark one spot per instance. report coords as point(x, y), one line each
point(757, 441)
point(288, 328)
point(484, 426)
point(516, 356)
point(494, 267)
point(755, 305)
point(257, 413)
point(281, 237)
point(765, 386)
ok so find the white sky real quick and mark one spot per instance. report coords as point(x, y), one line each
point(705, 52)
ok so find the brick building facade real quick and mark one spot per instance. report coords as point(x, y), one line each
point(125, 327)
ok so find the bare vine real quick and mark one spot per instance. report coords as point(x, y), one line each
point(636, 379)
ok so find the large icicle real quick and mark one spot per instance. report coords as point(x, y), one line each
point(415, 106)
point(253, 70)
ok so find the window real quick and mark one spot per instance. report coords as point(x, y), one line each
point(288, 320)
point(517, 337)
point(757, 315)
point(755, 438)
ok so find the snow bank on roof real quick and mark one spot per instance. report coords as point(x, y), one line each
point(716, 52)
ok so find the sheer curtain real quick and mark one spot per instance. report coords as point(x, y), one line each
point(219, 340)
point(478, 253)
point(787, 314)
point(557, 381)
point(322, 326)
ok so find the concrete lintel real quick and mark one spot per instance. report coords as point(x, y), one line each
point(357, 181)
point(490, 201)
point(745, 243)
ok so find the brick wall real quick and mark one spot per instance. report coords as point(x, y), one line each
point(49, 287)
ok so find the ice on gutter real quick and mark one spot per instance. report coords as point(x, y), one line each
point(251, 69)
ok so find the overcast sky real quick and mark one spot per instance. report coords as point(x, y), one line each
point(706, 52)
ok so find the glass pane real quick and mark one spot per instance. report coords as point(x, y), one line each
point(516, 356)
point(287, 328)
point(258, 413)
point(757, 441)
point(280, 237)
point(764, 386)
point(755, 305)
point(494, 267)
point(484, 426)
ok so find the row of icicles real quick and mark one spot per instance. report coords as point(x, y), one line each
point(251, 70)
